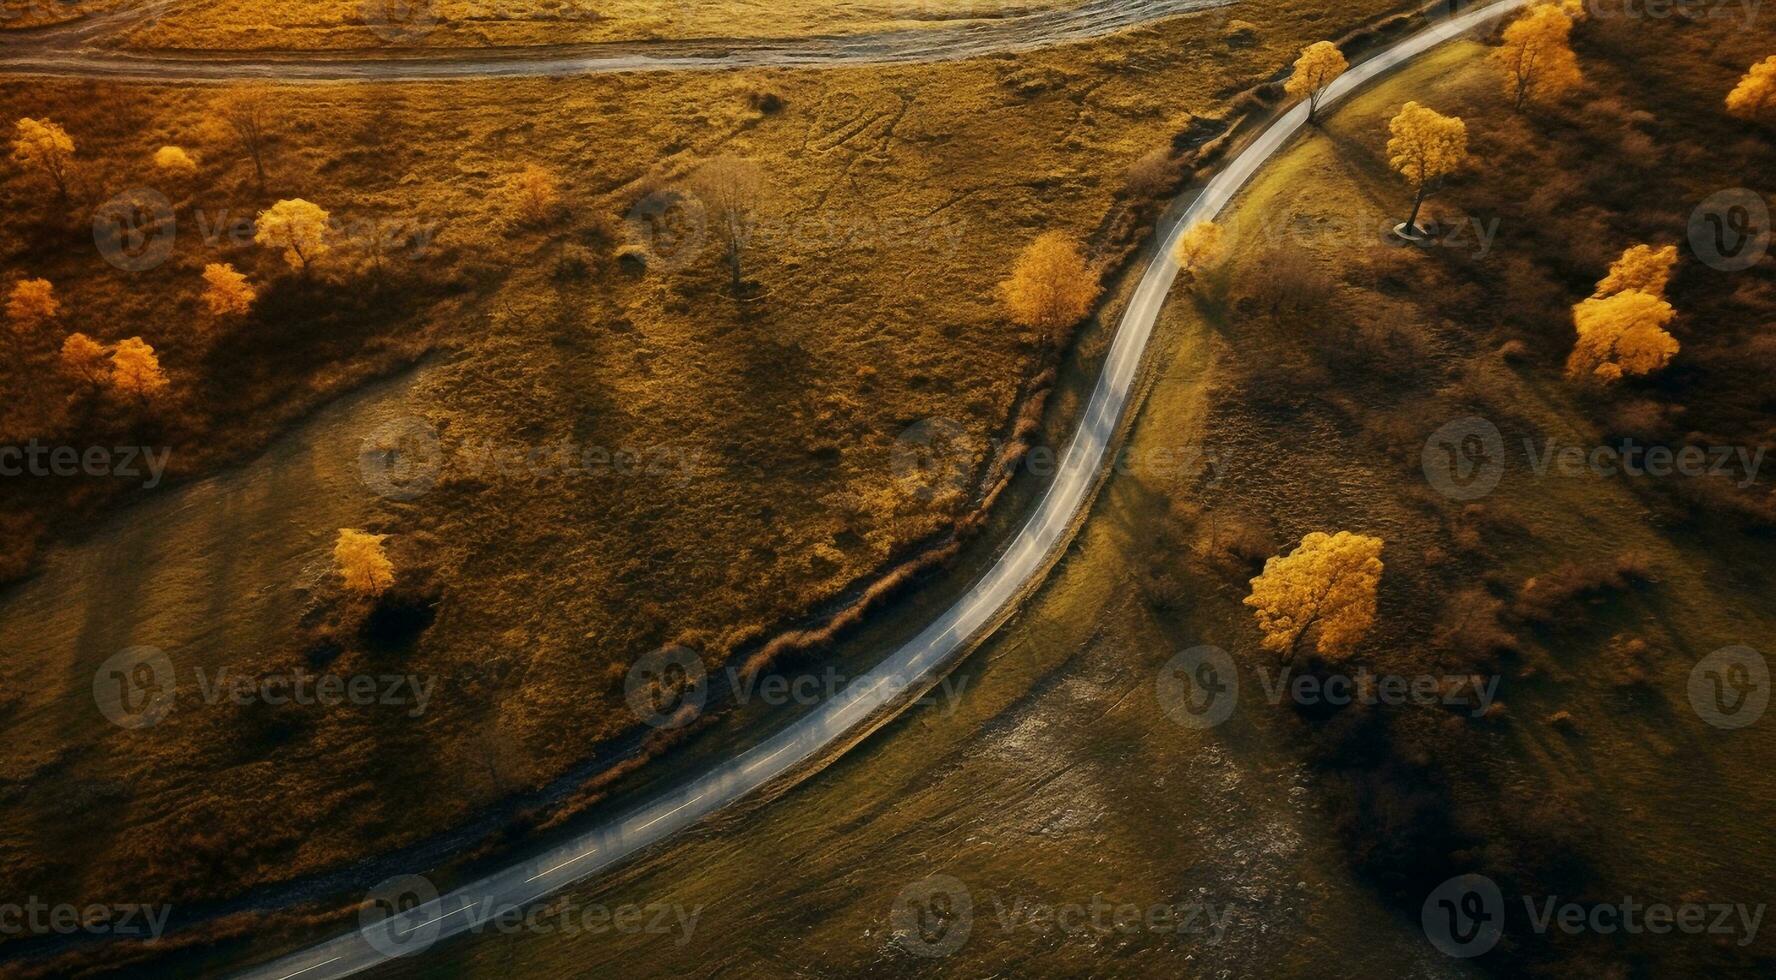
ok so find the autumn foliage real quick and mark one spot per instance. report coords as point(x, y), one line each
point(363, 567)
point(31, 304)
point(135, 370)
point(1320, 63)
point(1325, 587)
point(1425, 146)
point(1755, 95)
point(43, 146)
point(297, 227)
point(1537, 56)
point(1201, 246)
point(226, 291)
point(1051, 287)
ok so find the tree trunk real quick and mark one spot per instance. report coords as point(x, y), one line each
point(1412, 219)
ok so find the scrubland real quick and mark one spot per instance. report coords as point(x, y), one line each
point(765, 415)
point(1589, 596)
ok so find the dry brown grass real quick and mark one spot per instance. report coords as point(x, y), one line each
point(896, 198)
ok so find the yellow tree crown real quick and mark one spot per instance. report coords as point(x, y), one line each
point(1755, 95)
point(297, 227)
point(1320, 63)
point(1642, 267)
point(1621, 335)
point(1424, 144)
point(1328, 585)
point(1051, 286)
point(363, 566)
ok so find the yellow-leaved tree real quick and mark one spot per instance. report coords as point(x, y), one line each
point(1324, 588)
point(363, 566)
point(1642, 268)
point(1424, 146)
point(532, 196)
point(297, 227)
point(30, 306)
point(1755, 95)
point(1320, 63)
point(1200, 246)
point(174, 161)
point(1051, 287)
point(1621, 335)
point(226, 291)
point(135, 370)
point(83, 361)
point(43, 146)
point(1537, 56)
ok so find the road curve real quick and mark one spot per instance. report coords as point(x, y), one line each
point(909, 671)
point(62, 51)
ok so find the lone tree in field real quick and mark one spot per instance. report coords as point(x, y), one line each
point(1621, 336)
point(1537, 56)
point(1424, 146)
point(1326, 586)
point(30, 306)
point(226, 291)
point(248, 117)
point(1755, 95)
point(1320, 63)
point(532, 196)
point(730, 188)
point(1051, 287)
point(43, 146)
point(363, 567)
point(135, 371)
point(1199, 247)
point(83, 361)
point(1643, 268)
point(297, 227)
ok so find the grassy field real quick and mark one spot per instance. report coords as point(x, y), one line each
point(281, 24)
point(1591, 597)
point(767, 423)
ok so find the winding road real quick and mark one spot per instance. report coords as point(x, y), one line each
point(909, 671)
point(63, 50)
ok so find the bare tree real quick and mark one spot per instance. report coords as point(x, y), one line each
point(730, 188)
point(248, 117)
